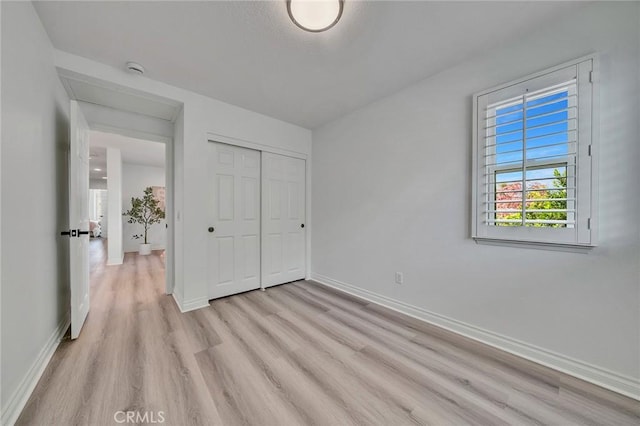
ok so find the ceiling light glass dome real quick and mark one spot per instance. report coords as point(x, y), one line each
point(315, 15)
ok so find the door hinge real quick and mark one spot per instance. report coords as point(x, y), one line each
point(589, 223)
point(589, 150)
point(590, 76)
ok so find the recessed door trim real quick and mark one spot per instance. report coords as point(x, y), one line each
point(229, 140)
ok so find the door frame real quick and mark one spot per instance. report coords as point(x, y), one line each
point(214, 137)
point(67, 74)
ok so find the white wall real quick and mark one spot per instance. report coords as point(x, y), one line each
point(35, 276)
point(115, 248)
point(135, 178)
point(202, 119)
point(392, 192)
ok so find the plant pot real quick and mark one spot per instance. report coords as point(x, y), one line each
point(145, 249)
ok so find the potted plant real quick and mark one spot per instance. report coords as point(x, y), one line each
point(145, 211)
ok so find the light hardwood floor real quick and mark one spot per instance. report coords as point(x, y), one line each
point(296, 354)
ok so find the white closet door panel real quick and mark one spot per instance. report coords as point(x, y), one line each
point(273, 255)
point(251, 257)
point(284, 235)
point(226, 259)
point(251, 202)
point(234, 242)
point(295, 257)
point(226, 184)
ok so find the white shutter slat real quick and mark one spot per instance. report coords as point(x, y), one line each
point(538, 199)
point(537, 147)
point(532, 210)
point(519, 190)
point(550, 222)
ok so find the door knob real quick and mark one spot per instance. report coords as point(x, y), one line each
point(74, 233)
point(302, 225)
point(211, 229)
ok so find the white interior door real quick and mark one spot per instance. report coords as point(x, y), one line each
point(234, 234)
point(283, 219)
point(79, 219)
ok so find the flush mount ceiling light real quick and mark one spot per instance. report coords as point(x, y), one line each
point(315, 15)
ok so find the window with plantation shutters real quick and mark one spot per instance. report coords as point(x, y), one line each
point(533, 158)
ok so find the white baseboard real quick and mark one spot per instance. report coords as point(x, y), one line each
point(189, 305)
point(117, 261)
point(192, 305)
point(154, 247)
point(177, 298)
point(18, 400)
point(625, 385)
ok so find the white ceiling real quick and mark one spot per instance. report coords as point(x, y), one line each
point(133, 151)
point(97, 162)
point(250, 54)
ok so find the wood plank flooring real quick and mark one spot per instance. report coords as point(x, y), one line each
point(297, 354)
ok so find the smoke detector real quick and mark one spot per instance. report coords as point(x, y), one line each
point(135, 68)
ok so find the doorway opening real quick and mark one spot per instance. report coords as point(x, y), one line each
point(117, 156)
point(98, 222)
point(126, 170)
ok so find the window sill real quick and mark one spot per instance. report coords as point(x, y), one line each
point(570, 248)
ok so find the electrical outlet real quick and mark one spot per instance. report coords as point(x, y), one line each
point(399, 277)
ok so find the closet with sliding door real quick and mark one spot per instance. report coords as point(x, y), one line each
point(257, 208)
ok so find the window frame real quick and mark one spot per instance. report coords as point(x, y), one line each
point(583, 235)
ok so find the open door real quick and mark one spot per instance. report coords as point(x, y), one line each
point(79, 219)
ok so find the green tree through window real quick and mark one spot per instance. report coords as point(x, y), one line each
point(542, 203)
